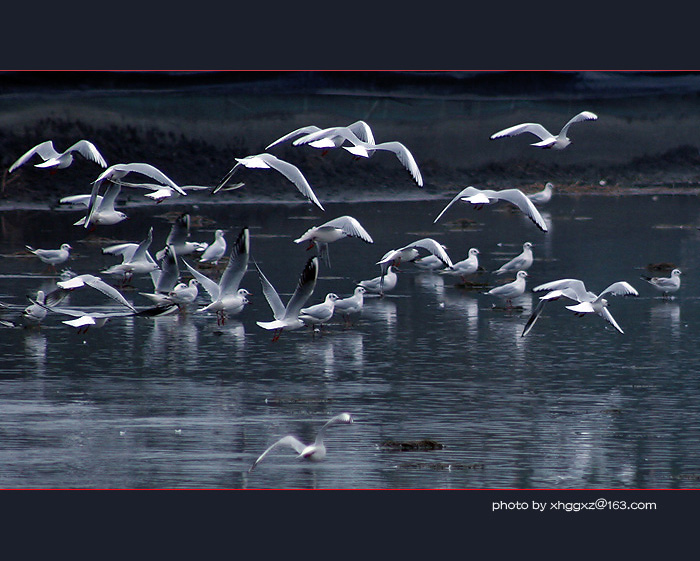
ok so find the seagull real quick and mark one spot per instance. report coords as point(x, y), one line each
point(178, 238)
point(57, 160)
point(547, 139)
point(361, 148)
point(521, 262)
point(587, 302)
point(288, 317)
point(352, 304)
point(361, 129)
point(381, 284)
point(116, 172)
point(35, 313)
point(226, 296)
point(466, 267)
point(511, 290)
point(182, 293)
point(316, 451)
point(481, 197)
point(52, 257)
point(215, 250)
point(667, 285)
point(268, 161)
point(331, 231)
point(411, 251)
point(542, 197)
point(104, 213)
point(136, 259)
point(159, 193)
point(320, 313)
point(165, 279)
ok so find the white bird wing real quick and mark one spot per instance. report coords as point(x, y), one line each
point(237, 264)
point(89, 151)
point(142, 249)
point(271, 296)
point(533, 128)
point(519, 199)
point(108, 290)
point(573, 289)
point(331, 132)
point(433, 247)
point(363, 131)
point(351, 226)
point(342, 418)
point(298, 132)
point(109, 198)
point(209, 285)
point(144, 169)
point(582, 116)
point(466, 192)
point(607, 316)
point(179, 231)
point(45, 150)
point(83, 200)
point(294, 175)
point(288, 440)
point(304, 289)
point(226, 177)
point(126, 250)
point(404, 156)
point(620, 288)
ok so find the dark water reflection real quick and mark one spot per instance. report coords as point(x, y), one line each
point(178, 402)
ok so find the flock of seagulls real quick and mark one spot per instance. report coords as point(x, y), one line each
point(173, 293)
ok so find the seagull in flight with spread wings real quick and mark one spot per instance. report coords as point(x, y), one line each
point(547, 139)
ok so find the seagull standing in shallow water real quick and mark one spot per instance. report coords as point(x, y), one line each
point(542, 197)
point(547, 139)
point(511, 290)
point(52, 257)
point(315, 451)
point(667, 285)
point(521, 262)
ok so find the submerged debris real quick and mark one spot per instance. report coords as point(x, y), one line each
point(425, 444)
point(439, 466)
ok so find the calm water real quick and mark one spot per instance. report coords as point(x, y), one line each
point(178, 402)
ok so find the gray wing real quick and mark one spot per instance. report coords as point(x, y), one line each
point(534, 316)
point(237, 264)
point(533, 128)
point(45, 150)
point(108, 290)
point(126, 250)
point(466, 192)
point(620, 288)
point(179, 231)
point(294, 175)
point(167, 276)
point(350, 226)
point(144, 169)
point(405, 157)
point(332, 132)
point(519, 199)
point(109, 198)
point(305, 287)
point(142, 249)
point(209, 285)
point(225, 178)
point(89, 151)
point(271, 296)
point(582, 116)
point(289, 440)
point(298, 132)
